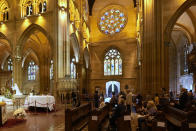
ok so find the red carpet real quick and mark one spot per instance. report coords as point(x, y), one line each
point(13, 122)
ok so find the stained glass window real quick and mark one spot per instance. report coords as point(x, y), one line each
point(10, 65)
point(51, 69)
point(40, 7)
point(112, 63)
point(44, 6)
point(33, 7)
point(112, 21)
point(73, 69)
point(32, 68)
point(29, 9)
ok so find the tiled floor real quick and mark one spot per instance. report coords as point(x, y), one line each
point(41, 122)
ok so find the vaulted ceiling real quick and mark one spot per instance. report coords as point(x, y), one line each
point(186, 23)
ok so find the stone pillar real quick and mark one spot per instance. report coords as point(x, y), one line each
point(67, 44)
point(79, 68)
point(153, 49)
point(17, 67)
point(62, 18)
point(44, 70)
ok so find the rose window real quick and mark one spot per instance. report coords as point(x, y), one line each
point(112, 21)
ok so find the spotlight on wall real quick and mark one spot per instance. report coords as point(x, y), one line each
point(2, 23)
point(62, 8)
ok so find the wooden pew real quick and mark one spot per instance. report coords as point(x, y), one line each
point(77, 118)
point(98, 118)
point(185, 121)
point(159, 123)
point(124, 123)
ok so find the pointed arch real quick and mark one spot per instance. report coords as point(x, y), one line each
point(6, 49)
point(76, 46)
point(26, 54)
point(86, 57)
point(29, 31)
point(112, 62)
point(2, 36)
point(186, 5)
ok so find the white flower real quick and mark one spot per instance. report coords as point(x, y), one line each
point(19, 112)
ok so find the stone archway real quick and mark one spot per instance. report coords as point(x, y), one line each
point(177, 14)
point(5, 54)
point(112, 86)
point(36, 39)
point(176, 35)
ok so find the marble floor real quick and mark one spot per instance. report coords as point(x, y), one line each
point(53, 121)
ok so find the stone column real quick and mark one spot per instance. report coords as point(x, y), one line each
point(44, 71)
point(67, 44)
point(62, 18)
point(17, 67)
point(153, 49)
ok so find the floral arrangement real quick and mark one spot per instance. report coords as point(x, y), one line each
point(19, 113)
point(8, 94)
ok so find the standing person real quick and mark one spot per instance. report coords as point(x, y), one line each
point(139, 100)
point(129, 100)
point(171, 96)
point(73, 98)
point(183, 98)
point(117, 112)
point(113, 100)
point(96, 99)
point(189, 99)
point(102, 103)
point(156, 99)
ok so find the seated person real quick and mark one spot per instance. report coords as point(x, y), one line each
point(142, 109)
point(102, 103)
point(118, 111)
point(151, 110)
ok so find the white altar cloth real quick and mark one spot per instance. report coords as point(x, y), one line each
point(40, 101)
point(6, 100)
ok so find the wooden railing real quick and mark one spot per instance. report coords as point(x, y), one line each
point(77, 118)
point(97, 117)
point(186, 121)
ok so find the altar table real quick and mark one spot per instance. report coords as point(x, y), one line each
point(40, 101)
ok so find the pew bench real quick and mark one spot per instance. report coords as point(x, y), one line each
point(159, 122)
point(124, 123)
point(77, 118)
point(185, 121)
point(98, 119)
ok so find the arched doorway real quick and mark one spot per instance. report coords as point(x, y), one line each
point(112, 86)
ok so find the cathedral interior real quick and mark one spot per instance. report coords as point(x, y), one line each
point(77, 48)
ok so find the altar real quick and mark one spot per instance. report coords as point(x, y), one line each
point(40, 101)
